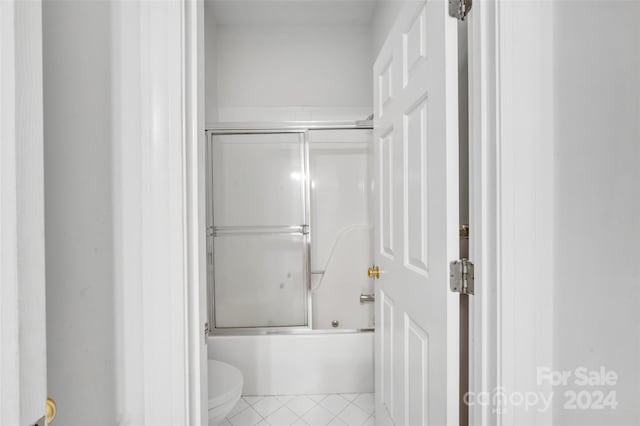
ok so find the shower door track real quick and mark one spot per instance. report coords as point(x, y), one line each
point(253, 128)
point(271, 331)
point(240, 128)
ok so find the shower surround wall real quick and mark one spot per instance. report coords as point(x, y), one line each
point(340, 230)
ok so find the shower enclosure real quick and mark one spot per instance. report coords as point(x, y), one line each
point(288, 228)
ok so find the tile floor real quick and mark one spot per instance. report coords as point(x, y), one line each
point(313, 410)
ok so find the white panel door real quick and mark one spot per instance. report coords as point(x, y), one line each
point(416, 211)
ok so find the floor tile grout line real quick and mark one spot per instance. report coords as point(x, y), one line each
point(312, 407)
point(262, 398)
point(245, 409)
point(300, 417)
point(315, 404)
point(294, 413)
point(347, 406)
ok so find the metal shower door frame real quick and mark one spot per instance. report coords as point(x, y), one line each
point(303, 229)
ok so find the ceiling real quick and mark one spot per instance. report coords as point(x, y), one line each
point(293, 12)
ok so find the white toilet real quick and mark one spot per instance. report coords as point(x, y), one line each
point(225, 388)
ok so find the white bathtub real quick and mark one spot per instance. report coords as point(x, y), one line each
point(299, 364)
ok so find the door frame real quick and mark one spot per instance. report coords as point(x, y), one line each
point(497, 119)
point(158, 160)
point(511, 119)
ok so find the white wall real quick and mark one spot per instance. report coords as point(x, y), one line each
point(597, 201)
point(301, 72)
point(384, 15)
point(567, 200)
point(78, 208)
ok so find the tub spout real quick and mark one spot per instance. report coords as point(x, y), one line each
point(367, 298)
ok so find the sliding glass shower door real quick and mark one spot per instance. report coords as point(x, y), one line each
point(259, 229)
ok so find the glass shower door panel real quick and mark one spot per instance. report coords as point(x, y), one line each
point(258, 179)
point(260, 280)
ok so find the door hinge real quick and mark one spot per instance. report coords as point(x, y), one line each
point(459, 9)
point(461, 276)
point(207, 330)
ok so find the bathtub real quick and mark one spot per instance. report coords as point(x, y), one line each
point(316, 362)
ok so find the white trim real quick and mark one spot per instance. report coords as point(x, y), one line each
point(127, 183)
point(195, 212)
point(511, 201)
point(483, 205)
point(452, 210)
point(158, 219)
